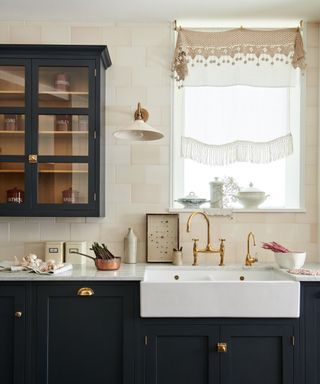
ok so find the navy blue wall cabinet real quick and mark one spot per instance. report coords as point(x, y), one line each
point(218, 351)
point(52, 130)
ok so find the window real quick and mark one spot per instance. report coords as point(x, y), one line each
point(216, 113)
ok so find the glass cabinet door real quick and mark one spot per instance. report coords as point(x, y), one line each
point(63, 135)
point(12, 182)
point(63, 87)
point(12, 134)
point(62, 120)
point(62, 183)
point(12, 86)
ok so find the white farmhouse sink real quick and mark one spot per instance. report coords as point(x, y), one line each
point(209, 292)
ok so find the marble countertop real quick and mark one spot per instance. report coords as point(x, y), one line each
point(134, 272)
point(127, 272)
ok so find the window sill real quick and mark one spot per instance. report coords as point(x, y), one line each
point(231, 211)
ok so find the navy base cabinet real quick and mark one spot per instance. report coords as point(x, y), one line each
point(261, 354)
point(311, 331)
point(85, 339)
point(13, 335)
point(250, 352)
point(180, 354)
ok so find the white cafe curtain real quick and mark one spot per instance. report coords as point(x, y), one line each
point(254, 58)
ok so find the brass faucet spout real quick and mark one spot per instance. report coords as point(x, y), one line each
point(250, 259)
point(208, 225)
point(208, 248)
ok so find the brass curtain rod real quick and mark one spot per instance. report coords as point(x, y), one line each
point(177, 29)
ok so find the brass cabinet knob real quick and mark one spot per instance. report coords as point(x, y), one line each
point(222, 347)
point(85, 291)
point(18, 314)
point(33, 159)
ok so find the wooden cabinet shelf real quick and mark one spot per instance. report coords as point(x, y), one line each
point(63, 171)
point(62, 93)
point(2, 92)
point(63, 133)
point(11, 170)
point(48, 96)
point(5, 132)
point(52, 112)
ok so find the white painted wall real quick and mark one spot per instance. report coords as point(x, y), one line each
point(138, 174)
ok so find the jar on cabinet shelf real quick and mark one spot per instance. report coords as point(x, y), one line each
point(70, 196)
point(15, 195)
point(61, 82)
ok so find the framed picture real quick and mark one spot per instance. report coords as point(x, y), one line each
point(162, 236)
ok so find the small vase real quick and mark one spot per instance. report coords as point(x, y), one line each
point(130, 247)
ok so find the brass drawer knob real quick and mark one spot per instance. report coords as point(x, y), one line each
point(18, 314)
point(222, 347)
point(85, 291)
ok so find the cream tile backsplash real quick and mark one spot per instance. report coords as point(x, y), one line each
point(138, 174)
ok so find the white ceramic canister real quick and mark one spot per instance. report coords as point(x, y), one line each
point(216, 193)
point(75, 246)
point(130, 247)
point(54, 250)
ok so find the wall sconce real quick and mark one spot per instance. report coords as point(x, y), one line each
point(139, 130)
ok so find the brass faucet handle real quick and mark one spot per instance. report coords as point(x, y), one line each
point(195, 241)
point(222, 242)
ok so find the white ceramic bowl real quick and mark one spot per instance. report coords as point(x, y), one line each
point(251, 197)
point(251, 200)
point(291, 260)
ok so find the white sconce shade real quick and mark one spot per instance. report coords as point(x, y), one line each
point(139, 130)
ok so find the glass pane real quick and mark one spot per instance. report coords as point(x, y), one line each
point(12, 183)
point(12, 134)
point(63, 87)
point(12, 86)
point(63, 183)
point(63, 135)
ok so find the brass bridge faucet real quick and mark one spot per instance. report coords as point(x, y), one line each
point(208, 248)
point(250, 259)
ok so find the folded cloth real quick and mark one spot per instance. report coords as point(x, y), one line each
point(64, 268)
point(6, 265)
point(303, 271)
point(18, 268)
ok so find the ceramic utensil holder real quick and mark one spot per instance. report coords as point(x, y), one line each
point(177, 258)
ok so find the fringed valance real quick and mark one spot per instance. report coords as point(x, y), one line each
point(237, 151)
point(236, 47)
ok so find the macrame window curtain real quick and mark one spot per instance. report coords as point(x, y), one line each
point(238, 58)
